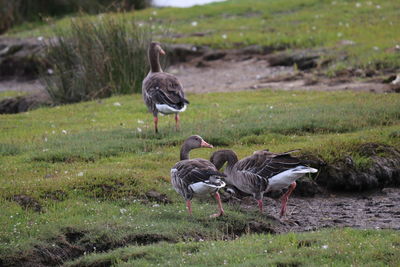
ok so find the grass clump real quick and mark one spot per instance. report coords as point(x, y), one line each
point(97, 59)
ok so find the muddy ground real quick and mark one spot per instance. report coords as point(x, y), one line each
point(371, 210)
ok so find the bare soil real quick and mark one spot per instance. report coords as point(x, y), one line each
point(237, 72)
point(241, 72)
point(373, 210)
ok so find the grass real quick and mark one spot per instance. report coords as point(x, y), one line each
point(371, 25)
point(90, 164)
point(36, 12)
point(340, 247)
point(97, 59)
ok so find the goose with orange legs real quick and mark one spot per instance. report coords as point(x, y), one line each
point(262, 172)
point(162, 92)
point(196, 177)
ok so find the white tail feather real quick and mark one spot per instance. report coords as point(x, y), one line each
point(165, 109)
point(201, 188)
point(286, 178)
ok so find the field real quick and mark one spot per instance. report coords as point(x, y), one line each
point(90, 165)
point(88, 184)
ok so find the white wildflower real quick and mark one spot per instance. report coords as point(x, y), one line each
point(339, 34)
point(50, 71)
point(64, 131)
point(376, 48)
point(40, 38)
point(122, 211)
point(80, 174)
point(358, 4)
point(378, 6)
point(140, 121)
point(224, 36)
point(325, 246)
point(139, 129)
point(194, 23)
point(117, 104)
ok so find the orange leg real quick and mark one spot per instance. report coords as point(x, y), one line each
point(189, 206)
point(260, 205)
point(177, 122)
point(285, 198)
point(220, 209)
point(156, 124)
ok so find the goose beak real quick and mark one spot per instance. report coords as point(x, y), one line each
point(205, 144)
point(162, 52)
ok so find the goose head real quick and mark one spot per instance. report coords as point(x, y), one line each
point(219, 158)
point(194, 141)
point(156, 47)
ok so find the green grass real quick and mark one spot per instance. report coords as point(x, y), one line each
point(341, 247)
point(372, 25)
point(85, 162)
point(8, 94)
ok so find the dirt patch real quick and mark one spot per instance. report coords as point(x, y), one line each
point(158, 197)
point(371, 210)
point(28, 202)
point(237, 71)
point(24, 103)
point(381, 171)
point(21, 58)
point(56, 195)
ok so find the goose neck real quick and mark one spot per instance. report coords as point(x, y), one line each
point(184, 152)
point(154, 60)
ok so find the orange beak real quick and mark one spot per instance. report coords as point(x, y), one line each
point(205, 144)
point(162, 52)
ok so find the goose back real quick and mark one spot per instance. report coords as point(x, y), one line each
point(267, 164)
point(187, 174)
point(160, 88)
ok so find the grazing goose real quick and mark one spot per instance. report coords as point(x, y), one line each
point(162, 92)
point(196, 177)
point(261, 172)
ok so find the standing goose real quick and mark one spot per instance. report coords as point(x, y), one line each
point(196, 177)
point(262, 172)
point(162, 92)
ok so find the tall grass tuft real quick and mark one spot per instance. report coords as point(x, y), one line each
point(97, 58)
point(17, 11)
